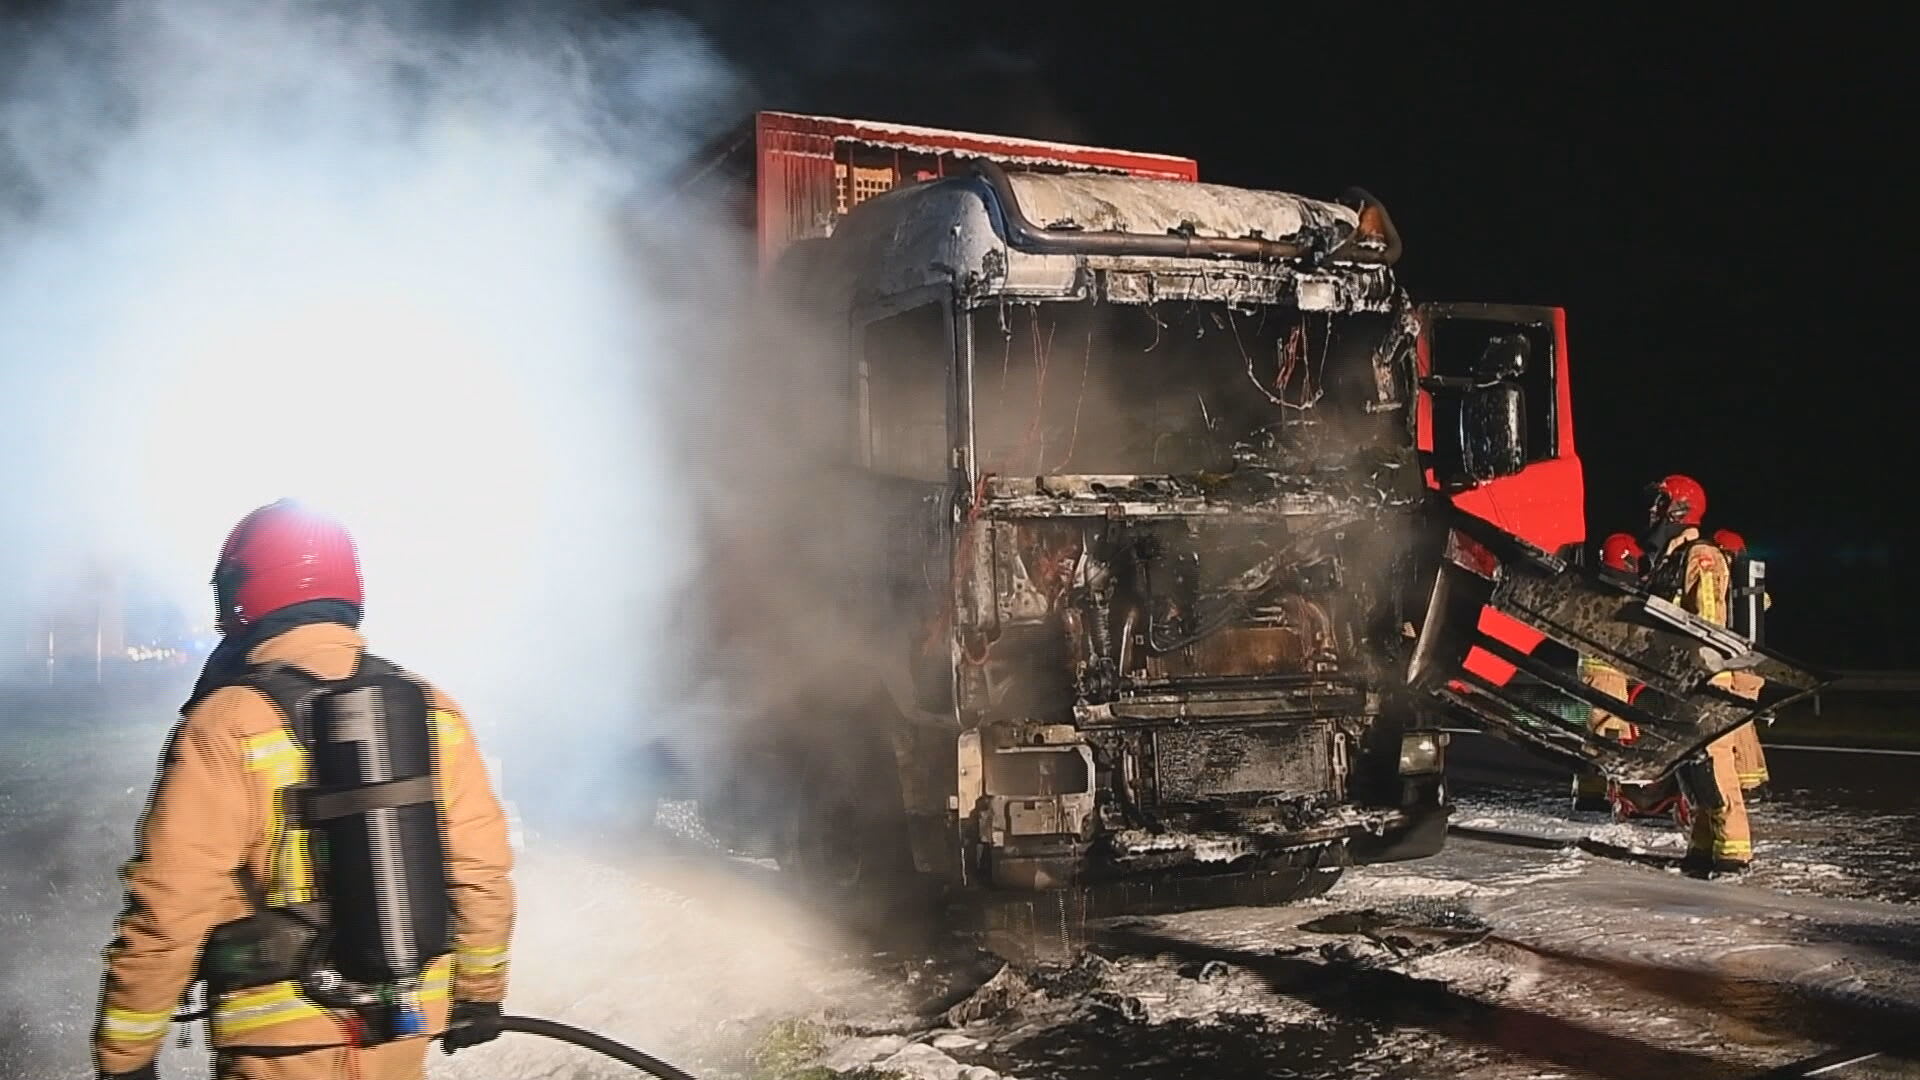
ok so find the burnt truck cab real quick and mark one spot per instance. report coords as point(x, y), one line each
point(1161, 527)
point(1145, 458)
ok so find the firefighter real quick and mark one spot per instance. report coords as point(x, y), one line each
point(241, 851)
point(1749, 756)
point(1690, 571)
point(1620, 556)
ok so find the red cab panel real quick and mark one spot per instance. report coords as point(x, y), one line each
point(1543, 502)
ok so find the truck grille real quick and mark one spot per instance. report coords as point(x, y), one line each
point(1207, 764)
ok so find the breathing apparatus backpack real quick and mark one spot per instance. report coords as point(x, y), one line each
point(1748, 616)
point(379, 856)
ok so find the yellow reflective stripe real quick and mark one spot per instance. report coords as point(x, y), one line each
point(270, 994)
point(251, 1010)
point(276, 844)
point(270, 748)
point(127, 1025)
point(281, 762)
point(1742, 848)
point(268, 742)
point(449, 731)
point(243, 1011)
point(1709, 590)
point(437, 981)
point(447, 727)
point(483, 960)
point(294, 884)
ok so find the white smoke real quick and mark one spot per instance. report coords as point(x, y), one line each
point(341, 253)
point(378, 259)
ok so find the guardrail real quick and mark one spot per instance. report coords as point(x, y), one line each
point(1875, 682)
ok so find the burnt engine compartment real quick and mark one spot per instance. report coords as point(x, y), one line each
point(1093, 613)
point(1184, 690)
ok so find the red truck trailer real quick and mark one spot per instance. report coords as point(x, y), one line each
point(793, 176)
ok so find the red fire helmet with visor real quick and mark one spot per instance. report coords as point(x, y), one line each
point(280, 555)
point(1621, 552)
point(1677, 500)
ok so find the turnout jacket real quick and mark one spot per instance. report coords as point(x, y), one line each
point(216, 827)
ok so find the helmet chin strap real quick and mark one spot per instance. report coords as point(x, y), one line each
point(226, 582)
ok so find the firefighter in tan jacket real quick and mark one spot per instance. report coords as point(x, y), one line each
point(1694, 574)
point(1620, 556)
point(221, 840)
point(1749, 756)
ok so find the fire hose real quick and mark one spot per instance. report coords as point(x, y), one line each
point(599, 1044)
point(567, 1033)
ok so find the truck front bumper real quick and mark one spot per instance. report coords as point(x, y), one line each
point(1346, 836)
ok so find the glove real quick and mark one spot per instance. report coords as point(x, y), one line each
point(470, 1024)
point(149, 1071)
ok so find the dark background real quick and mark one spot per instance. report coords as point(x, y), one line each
point(1715, 200)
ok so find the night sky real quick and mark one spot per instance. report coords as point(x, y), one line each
point(1714, 198)
point(1715, 202)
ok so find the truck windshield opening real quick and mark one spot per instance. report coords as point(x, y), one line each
point(1174, 387)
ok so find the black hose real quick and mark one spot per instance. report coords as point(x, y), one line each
point(552, 1029)
point(599, 1044)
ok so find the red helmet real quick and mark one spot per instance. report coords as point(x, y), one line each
point(280, 555)
point(1621, 552)
point(1729, 541)
point(1678, 499)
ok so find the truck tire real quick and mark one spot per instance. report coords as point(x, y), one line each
point(848, 844)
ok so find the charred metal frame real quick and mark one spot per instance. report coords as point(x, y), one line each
point(1675, 655)
point(1343, 707)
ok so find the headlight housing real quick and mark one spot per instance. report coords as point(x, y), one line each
point(1420, 752)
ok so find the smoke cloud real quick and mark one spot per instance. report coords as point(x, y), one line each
point(341, 253)
point(419, 271)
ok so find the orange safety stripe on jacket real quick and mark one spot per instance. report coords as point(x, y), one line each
point(217, 811)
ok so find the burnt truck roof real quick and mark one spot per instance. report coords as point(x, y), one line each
point(1037, 236)
point(1124, 204)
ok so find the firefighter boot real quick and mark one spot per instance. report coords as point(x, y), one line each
point(1721, 843)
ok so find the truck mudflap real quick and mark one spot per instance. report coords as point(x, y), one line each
point(1683, 665)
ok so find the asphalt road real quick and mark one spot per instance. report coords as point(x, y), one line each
point(1489, 961)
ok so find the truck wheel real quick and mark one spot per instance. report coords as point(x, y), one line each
point(848, 841)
